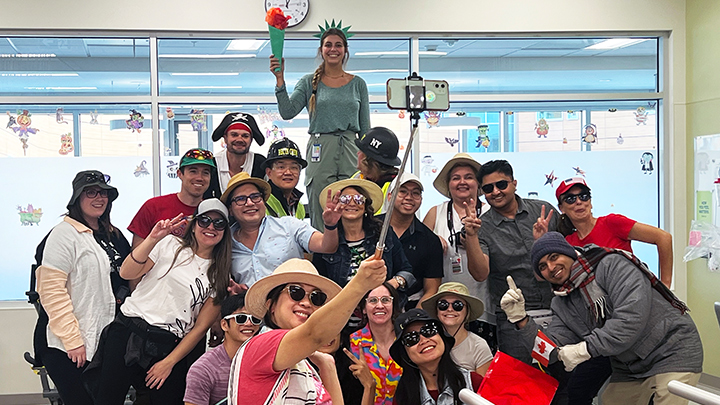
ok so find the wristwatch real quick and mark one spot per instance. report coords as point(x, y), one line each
point(400, 281)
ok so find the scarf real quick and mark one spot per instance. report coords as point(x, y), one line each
point(582, 277)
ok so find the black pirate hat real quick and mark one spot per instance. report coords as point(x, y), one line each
point(239, 118)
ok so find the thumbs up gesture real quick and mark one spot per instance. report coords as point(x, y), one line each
point(513, 302)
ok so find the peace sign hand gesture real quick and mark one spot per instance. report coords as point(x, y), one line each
point(360, 370)
point(166, 226)
point(471, 222)
point(540, 227)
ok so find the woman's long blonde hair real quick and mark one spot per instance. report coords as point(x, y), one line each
point(320, 71)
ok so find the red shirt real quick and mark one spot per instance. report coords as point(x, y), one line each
point(610, 231)
point(156, 209)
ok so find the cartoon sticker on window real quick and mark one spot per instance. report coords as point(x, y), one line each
point(29, 215)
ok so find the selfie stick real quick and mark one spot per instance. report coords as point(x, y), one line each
point(414, 118)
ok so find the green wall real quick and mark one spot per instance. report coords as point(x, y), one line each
point(703, 118)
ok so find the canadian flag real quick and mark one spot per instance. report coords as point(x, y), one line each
point(542, 349)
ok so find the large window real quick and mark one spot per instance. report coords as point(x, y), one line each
point(553, 107)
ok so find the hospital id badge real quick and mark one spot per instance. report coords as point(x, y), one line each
point(315, 152)
point(456, 262)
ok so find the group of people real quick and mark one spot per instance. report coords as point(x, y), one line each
point(308, 312)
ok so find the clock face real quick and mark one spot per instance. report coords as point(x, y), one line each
point(297, 9)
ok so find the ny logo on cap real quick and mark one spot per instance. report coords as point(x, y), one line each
point(375, 143)
point(240, 116)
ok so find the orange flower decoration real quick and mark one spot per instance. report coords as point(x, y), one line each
point(276, 18)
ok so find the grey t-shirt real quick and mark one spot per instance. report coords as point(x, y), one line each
point(508, 243)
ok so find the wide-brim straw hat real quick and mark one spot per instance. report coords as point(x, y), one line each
point(441, 181)
point(292, 271)
point(474, 304)
point(245, 178)
point(371, 189)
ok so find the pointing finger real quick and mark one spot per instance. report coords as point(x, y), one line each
point(511, 283)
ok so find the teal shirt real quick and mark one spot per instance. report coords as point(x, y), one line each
point(337, 109)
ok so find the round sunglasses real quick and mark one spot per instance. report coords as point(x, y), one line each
point(297, 293)
point(571, 198)
point(204, 221)
point(428, 330)
point(240, 319)
point(457, 306)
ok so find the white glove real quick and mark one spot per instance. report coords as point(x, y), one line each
point(572, 355)
point(513, 302)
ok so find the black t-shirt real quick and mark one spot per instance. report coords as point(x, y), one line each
point(424, 252)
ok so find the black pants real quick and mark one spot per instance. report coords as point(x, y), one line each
point(587, 379)
point(66, 376)
point(485, 331)
point(116, 378)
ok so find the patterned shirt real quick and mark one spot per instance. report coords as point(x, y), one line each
point(386, 373)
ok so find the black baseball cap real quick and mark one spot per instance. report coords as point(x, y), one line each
point(239, 118)
point(284, 149)
point(397, 350)
point(380, 144)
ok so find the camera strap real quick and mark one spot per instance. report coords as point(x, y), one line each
point(451, 227)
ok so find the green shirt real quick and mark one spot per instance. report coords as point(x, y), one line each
point(344, 108)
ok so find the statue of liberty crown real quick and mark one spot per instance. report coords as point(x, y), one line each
point(332, 25)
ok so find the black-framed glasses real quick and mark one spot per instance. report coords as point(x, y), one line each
point(571, 198)
point(242, 199)
point(457, 306)
point(415, 194)
point(297, 293)
point(488, 188)
point(204, 221)
point(385, 300)
point(359, 199)
point(428, 330)
point(241, 319)
point(93, 192)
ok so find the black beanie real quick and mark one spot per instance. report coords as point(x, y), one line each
point(551, 242)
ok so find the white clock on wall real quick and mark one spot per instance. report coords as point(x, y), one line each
point(297, 9)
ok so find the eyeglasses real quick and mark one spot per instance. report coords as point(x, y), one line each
point(428, 330)
point(358, 198)
point(93, 192)
point(297, 293)
point(457, 306)
point(241, 319)
point(283, 167)
point(501, 185)
point(242, 199)
point(415, 194)
point(204, 221)
point(571, 198)
point(385, 300)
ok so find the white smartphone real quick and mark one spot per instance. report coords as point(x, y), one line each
point(436, 95)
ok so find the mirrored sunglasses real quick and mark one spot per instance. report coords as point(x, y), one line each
point(428, 330)
point(359, 199)
point(297, 293)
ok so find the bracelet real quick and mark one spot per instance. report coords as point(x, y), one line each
point(136, 260)
point(331, 227)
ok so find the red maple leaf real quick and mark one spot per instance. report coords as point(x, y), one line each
point(541, 346)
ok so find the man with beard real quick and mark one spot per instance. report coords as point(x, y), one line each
point(238, 130)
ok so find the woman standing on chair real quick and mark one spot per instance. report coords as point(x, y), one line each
point(337, 103)
point(184, 280)
point(77, 283)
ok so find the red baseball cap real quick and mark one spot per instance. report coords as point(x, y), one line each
point(566, 185)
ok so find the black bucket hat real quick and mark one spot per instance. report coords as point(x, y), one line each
point(380, 144)
point(284, 149)
point(397, 350)
point(89, 178)
point(239, 118)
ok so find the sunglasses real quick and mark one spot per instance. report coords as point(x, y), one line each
point(204, 221)
point(428, 330)
point(241, 319)
point(501, 185)
point(242, 199)
point(457, 306)
point(383, 300)
point(92, 193)
point(358, 198)
point(297, 293)
point(94, 177)
point(571, 198)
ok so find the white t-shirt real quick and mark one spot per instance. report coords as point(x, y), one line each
point(224, 167)
point(471, 353)
point(171, 299)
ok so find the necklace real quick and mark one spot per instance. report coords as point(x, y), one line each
point(335, 77)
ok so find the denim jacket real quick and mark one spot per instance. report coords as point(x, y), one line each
point(446, 396)
point(336, 266)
